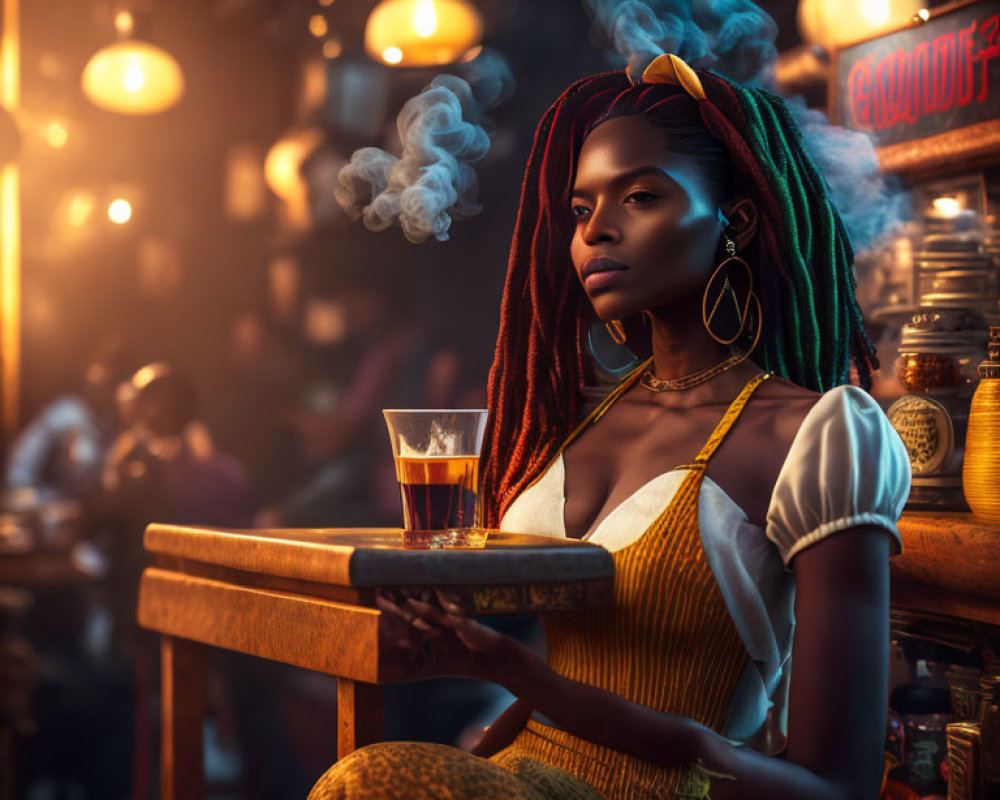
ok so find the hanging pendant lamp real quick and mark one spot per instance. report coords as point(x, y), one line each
point(835, 23)
point(421, 33)
point(132, 75)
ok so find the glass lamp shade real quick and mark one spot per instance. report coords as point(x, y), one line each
point(836, 23)
point(420, 33)
point(133, 77)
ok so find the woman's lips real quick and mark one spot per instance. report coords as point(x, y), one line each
point(602, 280)
point(600, 273)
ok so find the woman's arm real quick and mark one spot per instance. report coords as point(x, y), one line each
point(837, 701)
point(839, 689)
point(503, 730)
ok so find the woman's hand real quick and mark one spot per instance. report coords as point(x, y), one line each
point(429, 640)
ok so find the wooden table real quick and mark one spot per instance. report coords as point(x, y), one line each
point(306, 597)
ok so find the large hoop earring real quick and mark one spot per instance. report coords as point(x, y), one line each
point(727, 289)
point(616, 331)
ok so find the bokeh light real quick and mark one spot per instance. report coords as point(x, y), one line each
point(119, 211)
point(133, 77)
point(79, 207)
point(318, 26)
point(332, 48)
point(55, 134)
point(124, 23)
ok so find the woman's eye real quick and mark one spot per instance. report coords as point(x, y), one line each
point(579, 211)
point(640, 197)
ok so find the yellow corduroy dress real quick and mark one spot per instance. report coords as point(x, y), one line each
point(668, 643)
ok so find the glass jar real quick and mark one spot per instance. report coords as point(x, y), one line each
point(925, 372)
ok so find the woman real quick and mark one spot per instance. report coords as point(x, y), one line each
point(717, 486)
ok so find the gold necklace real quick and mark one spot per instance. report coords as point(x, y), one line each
point(649, 381)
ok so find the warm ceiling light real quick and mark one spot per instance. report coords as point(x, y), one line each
point(416, 33)
point(837, 23)
point(947, 206)
point(425, 20)
point(120, 211)
point(133, 77)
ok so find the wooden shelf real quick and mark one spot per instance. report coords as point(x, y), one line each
point(949, 567)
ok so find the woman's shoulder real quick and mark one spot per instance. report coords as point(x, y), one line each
point(799, 410)
point(788, 405)
point(846, 466)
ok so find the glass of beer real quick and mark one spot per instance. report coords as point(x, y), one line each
point(437, 467)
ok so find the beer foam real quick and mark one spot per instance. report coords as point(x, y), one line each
point(440, 444)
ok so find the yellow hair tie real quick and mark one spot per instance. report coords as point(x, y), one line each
point(668, 68)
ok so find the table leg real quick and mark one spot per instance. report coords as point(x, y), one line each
point(359, 715)
point(182, 766)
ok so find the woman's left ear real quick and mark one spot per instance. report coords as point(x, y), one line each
point(742, 216)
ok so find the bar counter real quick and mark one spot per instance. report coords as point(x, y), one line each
point(949, 568)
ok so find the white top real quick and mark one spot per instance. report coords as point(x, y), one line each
point(846, 467)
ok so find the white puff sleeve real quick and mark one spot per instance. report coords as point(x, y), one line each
point(846, 467)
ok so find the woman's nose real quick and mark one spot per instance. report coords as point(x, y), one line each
point(601, 227)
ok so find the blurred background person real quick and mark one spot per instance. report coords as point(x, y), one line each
point(59, 453)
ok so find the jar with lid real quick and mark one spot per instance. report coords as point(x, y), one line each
point(940, 351)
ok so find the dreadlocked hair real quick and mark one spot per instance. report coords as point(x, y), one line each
point(745, 140)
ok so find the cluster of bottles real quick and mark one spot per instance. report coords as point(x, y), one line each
point(943, 738)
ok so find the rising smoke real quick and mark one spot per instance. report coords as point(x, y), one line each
point(871, 204)
point(733, 36)
point(736, 38)
point(443, 131)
